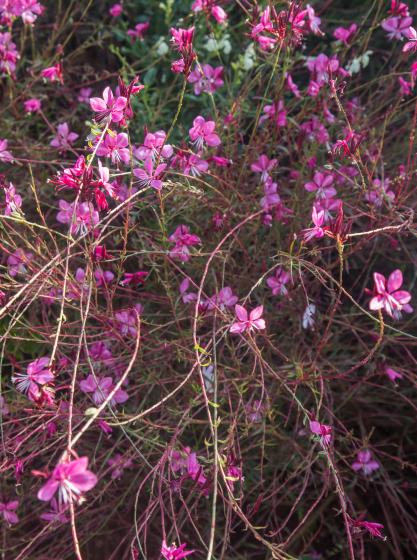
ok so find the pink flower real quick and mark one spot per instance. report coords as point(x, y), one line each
point(134, 278)
point(291, 85)
point(13, 200)
point(247, 322)
point(397, 27)
point(388, 295)
point(37, 373)
point(103, 277)
point(8, 54)
point(187, 297)
point(393, 375)
point(182, 38)
point(373, 529)
point(139, 31)
point(30, 10)
point(183, 239)
point(5, 155)
point(7, 510)
point(84, 95)
point(101, 387)
point(202, 132)
point(118, 463)
point(4, 409)
point(115, 146)
point(206, 79)
point(53, 73)
point(126, 321)
point(193, 165)
point(314, 21)
point(17, 261)
point(321, 185)
point(70, 479)
point(109, 108)
point(263, 165)
point(345, 35)
point(99, 352)
point(278, 282)
point(57, 513)
point(116, 10)
point(321, 430)
point(32, 105)
point(174, 552)
point(365, 463)
point(379, 193)
point(411, 45)
point(276, 112)
point(219, 14)
point(318, 231)
point(154, 146)
point(86, 217)
point(148, 176)
point(64, 138)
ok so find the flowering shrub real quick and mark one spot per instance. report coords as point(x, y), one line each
point(207, 279)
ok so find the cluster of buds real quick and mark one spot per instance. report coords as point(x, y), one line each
point(182, 40)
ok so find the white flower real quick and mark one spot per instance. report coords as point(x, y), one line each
point(161, 47)
point(308, 316)
point(249, 57)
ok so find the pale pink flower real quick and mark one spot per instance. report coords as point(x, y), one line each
point(321, 430)
point(219, 14)
point(318, 219)
point(206, 78)
point(108, 108)
point(202, 132)
point(70, 479)
point(32, 105)
point(248, 321)
point(100, 388)
point(314, 21)
point(30, 10)
point(388, 295)
point(8, 511)
point(365, 462)
point(13, 200)
point(64, 138)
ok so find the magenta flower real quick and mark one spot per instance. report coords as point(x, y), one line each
point(183, 239)
point(64, 138)
point(345, 35)
point(148, 176)
point(365, 463)
point(393, 375)
point(182, 38)
point(53, 73)
point(248, 322)
point(263, 165)
point(38, 372)
point(13, 201)
point(134, 278)
point(397, 27)
point(126, 321)
point(411, 36)
point(373, 529)
point(314, 21)
point(186, 462)
point(100, 352)
point(276, 112)
point(29, 10)
point(116, 10)
point(70, 479)
point(380, 191)
point(8, 511)
point(103, 277)
point(187, 297)
point(388, 295)
point(202, 132)
point(174, 552)
point(108, 108)
point(118, 463)
point(321, 430)
point(115, 146)
point(56, 514)
point(318, 219)
point(278, 282)
point(100, 388)
point(139, 31)
point(84, 95)
point(321, 185)
point(5, 155)
point(32, 105)
point(193, 165)
point(206, 78)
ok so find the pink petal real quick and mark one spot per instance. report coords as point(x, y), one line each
point(376, 303)
point(395, 280)
point(98, 105)
point(402, 296)
point(47, 491)
point(256, 313)
point(379, 280)
point(241, 313)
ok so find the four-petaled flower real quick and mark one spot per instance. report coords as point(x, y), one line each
point(70, 479)
point(388, 296)
point(202, 132)
point(365, 463)
point(109, 108)
point(8, 511)
point(248, 321)
point(322, 430)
